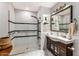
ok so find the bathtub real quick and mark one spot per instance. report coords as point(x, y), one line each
point(33, 53)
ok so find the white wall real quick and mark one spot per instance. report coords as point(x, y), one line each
point(75, 15)
point(12, 16)
point(41, 13)
point(3, 19)
point(25, 17)
point(44, 28)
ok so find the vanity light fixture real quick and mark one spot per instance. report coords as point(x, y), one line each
point(27, 8)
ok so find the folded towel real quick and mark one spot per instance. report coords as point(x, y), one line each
point(72, 29)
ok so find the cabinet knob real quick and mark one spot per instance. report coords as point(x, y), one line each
point(0, 47)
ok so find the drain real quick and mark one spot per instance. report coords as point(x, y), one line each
point(27, 48)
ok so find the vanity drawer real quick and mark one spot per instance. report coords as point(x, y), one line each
point(62, 52)
point(62, 45)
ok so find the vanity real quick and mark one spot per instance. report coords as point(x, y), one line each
point(59, 44)
point(59, 48)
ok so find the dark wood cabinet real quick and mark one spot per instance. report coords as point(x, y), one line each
point(58, 48)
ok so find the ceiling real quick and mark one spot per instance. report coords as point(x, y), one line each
point(32, 6)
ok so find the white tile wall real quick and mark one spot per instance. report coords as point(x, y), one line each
point(24, 43)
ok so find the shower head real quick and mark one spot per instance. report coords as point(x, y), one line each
point(34, 17)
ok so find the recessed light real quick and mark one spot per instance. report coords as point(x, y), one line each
point(26, 8)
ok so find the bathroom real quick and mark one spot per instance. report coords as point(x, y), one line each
point(34, 29)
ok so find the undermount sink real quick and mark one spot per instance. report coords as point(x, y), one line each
point(59, 38)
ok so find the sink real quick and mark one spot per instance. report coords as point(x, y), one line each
point(64, 40)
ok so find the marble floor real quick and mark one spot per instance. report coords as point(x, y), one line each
point(48, 53)
point(34, 53)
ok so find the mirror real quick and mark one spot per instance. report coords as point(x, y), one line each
point(60, 20)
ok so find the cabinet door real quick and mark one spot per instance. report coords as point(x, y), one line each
point(56, 49)
point(48, 43)
point(62, 51)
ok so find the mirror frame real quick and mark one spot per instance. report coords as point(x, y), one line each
point(71, 17)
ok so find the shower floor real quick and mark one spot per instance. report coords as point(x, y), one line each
point(23, 45)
